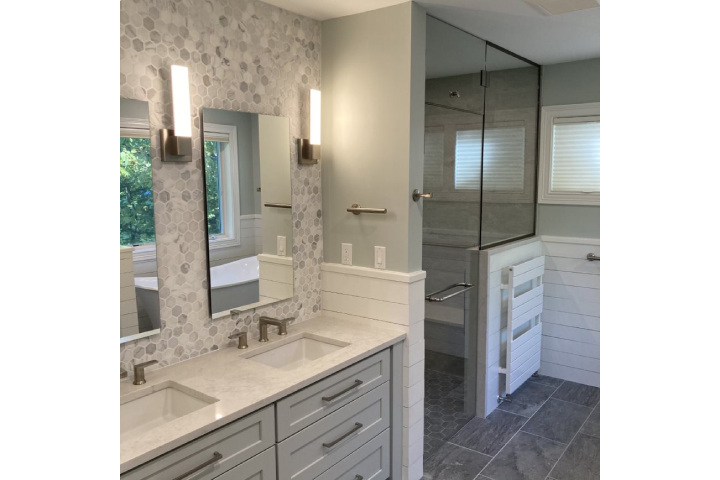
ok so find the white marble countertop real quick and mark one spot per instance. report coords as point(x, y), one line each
point(243, 386)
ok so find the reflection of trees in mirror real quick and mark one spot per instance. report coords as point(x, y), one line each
point(137, 224)
point(213, 190)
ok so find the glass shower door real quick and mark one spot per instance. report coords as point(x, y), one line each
point(451, 227)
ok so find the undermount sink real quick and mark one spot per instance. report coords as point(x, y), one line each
point(157, 405)
point(292, 353)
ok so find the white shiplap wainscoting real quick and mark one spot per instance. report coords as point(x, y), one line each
point(571, 316)
point(398, 299)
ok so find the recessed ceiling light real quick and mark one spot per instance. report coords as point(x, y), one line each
point(559, 7)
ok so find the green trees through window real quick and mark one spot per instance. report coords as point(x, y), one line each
point(137, 220)
point(213, 188)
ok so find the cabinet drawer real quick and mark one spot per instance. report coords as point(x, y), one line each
point(236, 443)
point(316, 448)
point(309, 405)
point(260, 467)
point(369, 462)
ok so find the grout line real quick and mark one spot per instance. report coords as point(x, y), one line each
point(518, 433)
point(573, 403)
point(466, 448)
point(568, 445)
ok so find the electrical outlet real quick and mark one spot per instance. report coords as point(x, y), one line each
point(347, 253)
point(380, 258)
point(281, 242)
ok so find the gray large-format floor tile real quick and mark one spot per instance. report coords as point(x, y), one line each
point(528, 399)
point(592, 425)
point(488, 435)
point(552, 381)
point(584, 395)
point(557, 420)
point(525, 457)
point(431, 445)
point(451, 462)
point(581, 460)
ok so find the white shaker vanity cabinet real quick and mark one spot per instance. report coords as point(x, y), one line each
point(346, 426)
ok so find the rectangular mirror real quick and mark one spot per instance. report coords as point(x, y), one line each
point(248, 206)
point(139, 300)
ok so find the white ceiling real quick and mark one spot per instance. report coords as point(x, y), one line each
point(512, 24)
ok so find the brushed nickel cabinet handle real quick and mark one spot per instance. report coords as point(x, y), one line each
point(356, 384)
point(357, 427)
point(217, 456)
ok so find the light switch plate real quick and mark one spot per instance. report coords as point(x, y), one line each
point(281, 242)
point(380, 258)
point(347, 253)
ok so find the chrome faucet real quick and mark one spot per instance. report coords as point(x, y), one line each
point(242, 339)
point(265, 322)
point(139, 372)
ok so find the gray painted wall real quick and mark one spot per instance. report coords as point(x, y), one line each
point(373, 71)
point(565, 84)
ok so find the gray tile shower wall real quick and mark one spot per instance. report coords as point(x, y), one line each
point(242, 55)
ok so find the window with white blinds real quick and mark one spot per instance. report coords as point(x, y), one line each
point(576, 155)
point(570, 155)
point(434, 151)
point(503, 159)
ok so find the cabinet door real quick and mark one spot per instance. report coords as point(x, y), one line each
point(310, 404)
point(260, 467)
point(316, 448)
point(213, 453)
point(369, 462)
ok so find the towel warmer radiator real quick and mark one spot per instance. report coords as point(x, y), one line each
point(522, 354)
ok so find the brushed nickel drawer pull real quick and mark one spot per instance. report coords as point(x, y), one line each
point(217, 456)
point(357, 427)
point(342, 392)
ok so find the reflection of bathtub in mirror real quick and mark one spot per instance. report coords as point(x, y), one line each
point(233, 284)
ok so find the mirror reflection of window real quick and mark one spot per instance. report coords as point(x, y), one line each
point(137, 221)
point(249, 223)
point(139, 297)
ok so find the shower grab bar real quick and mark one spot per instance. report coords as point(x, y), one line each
point(592, 257)
point(431, 298)
point(356, 209)
point(278, 205)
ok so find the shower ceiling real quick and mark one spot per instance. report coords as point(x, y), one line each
point(513, 24)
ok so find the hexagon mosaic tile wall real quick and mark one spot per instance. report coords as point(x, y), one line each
point(243, 55)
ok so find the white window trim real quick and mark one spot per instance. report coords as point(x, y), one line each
point(232, 236)
point(139, 128)
point(547, 119)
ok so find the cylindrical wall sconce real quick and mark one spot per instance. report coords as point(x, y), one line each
point(309, 149)
point(176, 144)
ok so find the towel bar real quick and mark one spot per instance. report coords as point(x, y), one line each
point(356, 209)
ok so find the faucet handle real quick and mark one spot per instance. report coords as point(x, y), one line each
point(242, 339)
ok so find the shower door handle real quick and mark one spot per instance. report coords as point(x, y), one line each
point(432, 298)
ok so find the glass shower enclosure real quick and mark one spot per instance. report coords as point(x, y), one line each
point(480, 162)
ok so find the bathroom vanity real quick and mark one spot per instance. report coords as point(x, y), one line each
point(323, 402)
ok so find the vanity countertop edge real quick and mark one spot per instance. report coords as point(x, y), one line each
point(243, 386)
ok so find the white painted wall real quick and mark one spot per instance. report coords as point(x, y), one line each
point(571, 316)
